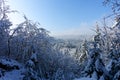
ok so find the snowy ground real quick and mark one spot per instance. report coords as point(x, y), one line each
point(85, 79)
point(13, 75)
point(11, 70)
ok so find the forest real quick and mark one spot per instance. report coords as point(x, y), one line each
point(28, 52)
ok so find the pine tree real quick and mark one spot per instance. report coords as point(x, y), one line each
point(114, 53)
point(95, 68)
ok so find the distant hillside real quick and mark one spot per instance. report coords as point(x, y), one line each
point(75, 37)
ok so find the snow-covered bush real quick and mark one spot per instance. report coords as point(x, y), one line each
point(59, 75)
point(32, 68)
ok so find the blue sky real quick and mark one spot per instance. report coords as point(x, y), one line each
point(61, 17)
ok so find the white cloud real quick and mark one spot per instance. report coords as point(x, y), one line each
point(82, 29)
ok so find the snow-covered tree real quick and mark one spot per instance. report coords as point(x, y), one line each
point(95, 67)
point(27, 37)
point(107, 40)
point(84, 53)
point(4, 27)
point(114, 4)
point(114, 53)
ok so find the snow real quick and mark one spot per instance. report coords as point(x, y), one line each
point(11, 69)
point(13, 75)
point(85, 79)
point(9, 62)
point(94, 75)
